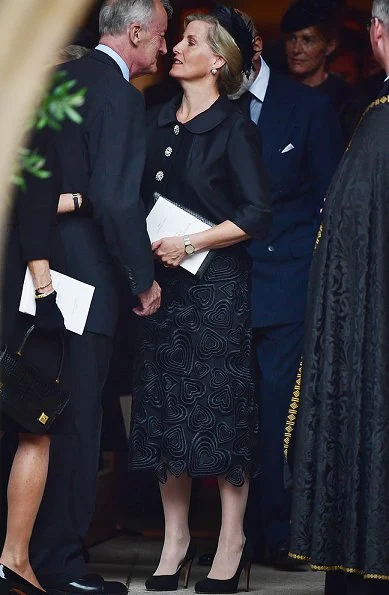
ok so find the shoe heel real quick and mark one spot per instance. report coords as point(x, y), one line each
point(247, 571)
point(187, 572)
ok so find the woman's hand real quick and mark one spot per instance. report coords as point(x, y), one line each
point(169, 251)
point(66, 203)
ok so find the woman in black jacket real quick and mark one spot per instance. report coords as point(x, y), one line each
point(194, 402)
point(33, 241)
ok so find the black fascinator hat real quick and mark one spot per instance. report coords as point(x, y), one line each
point(309, 13)
point(240, 32)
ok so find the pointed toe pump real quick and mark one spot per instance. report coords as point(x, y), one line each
point(216, 586)
point(11, 582)
point(169, 582)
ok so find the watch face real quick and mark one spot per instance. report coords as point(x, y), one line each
point(189, 249)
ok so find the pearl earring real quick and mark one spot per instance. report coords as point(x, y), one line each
point(214, 71)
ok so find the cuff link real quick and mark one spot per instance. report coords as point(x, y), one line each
point(159, 176)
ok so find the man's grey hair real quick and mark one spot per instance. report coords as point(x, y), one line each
point(116, 15)
point(380, 10)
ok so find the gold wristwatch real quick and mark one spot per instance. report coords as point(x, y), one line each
point(189, 248)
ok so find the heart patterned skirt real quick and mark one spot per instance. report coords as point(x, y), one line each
point(194, 408)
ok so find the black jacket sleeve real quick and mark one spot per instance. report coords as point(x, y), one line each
point(36, 206)
point(116, 142)
point(250, 187)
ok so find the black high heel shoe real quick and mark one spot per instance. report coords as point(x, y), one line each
point(169, 582)
point(11, 581)
point(213, 585)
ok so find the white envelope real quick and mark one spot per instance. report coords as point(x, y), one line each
point(73, 298)
point(287, 148)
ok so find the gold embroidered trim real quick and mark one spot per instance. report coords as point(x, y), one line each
point(292, 413)
point(366, 575)
point(319, 236)
point(380, 101)
point(295, 402)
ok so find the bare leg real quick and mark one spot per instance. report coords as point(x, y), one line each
point(231, 538)
point(175, 495)
point(26, 485)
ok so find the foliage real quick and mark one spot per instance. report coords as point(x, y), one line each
point(60, 103)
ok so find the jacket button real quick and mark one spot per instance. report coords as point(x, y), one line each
point(168, 151)
point(176, 130)
point(271, 248)
point(159, 176)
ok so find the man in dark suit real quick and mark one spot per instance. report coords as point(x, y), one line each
point(103, 159)
point(302, 145)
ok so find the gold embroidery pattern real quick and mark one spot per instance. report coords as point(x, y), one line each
point(292, 413)
point(295, 402)
point(366, 575)
point(377, 102)
point(319, 236)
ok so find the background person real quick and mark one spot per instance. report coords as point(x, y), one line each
point(33, 239)
point(194, 400)
point(312, 37)
point(301, 148)
point(340, 518)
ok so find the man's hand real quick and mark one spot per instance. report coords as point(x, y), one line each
point(150, 301)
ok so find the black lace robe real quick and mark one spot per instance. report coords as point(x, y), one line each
point(341, 486)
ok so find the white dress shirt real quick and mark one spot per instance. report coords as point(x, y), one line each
point(258, 90)
point(118, 59)
point(387, 78)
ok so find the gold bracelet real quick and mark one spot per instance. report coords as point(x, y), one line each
point(44, 286)
point(40, 296)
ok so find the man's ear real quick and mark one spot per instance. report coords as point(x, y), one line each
point(134, 32)
point(258, 44)
point(378, 29)
point(331, 47)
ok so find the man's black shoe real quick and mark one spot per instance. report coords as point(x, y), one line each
point(278, 558)
point(91, 584)
point(206, 559)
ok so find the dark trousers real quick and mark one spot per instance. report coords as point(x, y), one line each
point(57, 547)
point(278, 354)
point(340, 583)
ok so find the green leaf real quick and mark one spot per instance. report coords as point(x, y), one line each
point(59, 103)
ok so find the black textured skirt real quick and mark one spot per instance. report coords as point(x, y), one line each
point(194, 399)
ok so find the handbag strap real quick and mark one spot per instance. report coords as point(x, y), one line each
point(23, 344)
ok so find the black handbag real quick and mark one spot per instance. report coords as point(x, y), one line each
point(29, 398)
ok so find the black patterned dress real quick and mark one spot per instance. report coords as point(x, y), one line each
point(194, 402)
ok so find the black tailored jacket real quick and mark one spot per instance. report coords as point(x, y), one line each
point(31, 234)
point(220, 165)
point(103, 158)
point(302, 144)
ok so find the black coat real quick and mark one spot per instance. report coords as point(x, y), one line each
point(31, 234)
point(103, 158)
point(341, 499)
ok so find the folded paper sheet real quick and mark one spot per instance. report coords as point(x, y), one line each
point(73, 298)
point(166, 219)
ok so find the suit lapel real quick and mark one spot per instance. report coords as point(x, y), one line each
point(276, 120)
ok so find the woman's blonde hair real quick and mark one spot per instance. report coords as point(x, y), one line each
point(222, 44)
